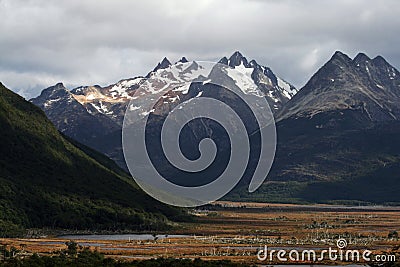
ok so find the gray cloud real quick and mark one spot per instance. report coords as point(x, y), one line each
point(99, 42)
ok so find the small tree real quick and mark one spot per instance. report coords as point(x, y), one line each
point(72, 247)
point(393, 234)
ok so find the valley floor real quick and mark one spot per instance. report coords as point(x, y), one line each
point(237, 231)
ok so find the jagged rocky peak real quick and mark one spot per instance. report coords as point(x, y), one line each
point(361, 58)
point(389, 71)
point(336, 70)
point(363, 62)
point(54, 91)
point(379, 70)
point(379, 60)
point(193, 66)
point(224, 61)
point(340, 59)
point(364, 86)
point(237, 59)
point(58, 86)
point(340, 55)
point(183, 60)
point(165, 63)
point(53, 96)
point(360, 61)
point(253, 63)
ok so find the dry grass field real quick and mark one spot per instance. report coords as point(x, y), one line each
point(236, 231)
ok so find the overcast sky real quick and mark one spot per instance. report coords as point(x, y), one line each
point(86, 42)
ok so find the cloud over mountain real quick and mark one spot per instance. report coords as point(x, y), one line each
point(79, 42)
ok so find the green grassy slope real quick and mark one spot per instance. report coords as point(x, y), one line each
point(45, 181)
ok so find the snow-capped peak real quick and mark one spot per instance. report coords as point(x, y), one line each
point(176, 78)
point(255, 75)
point(242, 77)
point(183, 60)
point(165, 63)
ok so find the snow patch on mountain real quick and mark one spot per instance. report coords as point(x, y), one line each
point(49, 102)
point(121, 88)
point(242, 77)
point(176, 77)
point(288, 91)
point(101, 108)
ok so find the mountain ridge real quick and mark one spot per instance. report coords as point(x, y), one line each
point(97, 121)
point(363, 83)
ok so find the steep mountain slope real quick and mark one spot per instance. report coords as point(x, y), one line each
point(369, 86)
point(45, 181)
point(93, 115)
point(338, 137)
point(83, 123)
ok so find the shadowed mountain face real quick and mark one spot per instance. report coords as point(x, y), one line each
point(338, 137)
point(46, 181)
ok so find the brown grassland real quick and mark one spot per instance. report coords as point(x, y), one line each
point(236, 231)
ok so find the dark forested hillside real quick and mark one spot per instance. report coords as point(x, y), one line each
point(46, 181)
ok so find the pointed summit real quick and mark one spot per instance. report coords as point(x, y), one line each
point(361, 58)
point(224, 61)
point(55, 91)
point(165, 63)
point(381, 62)
point(253, 63)
point(338, 64)
point(237, 54)
point(379, 59)
point(59, 85)
point(183, 60)
point(341, 57)
point(237, 59)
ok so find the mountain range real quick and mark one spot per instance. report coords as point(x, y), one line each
point(93, 115)
point(337, 136)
